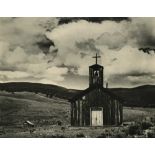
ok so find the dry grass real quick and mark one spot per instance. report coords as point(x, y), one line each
point(137, 113)
point(46, 112)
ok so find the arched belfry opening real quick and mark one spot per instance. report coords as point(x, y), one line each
point(96, 73)
point(96, 105)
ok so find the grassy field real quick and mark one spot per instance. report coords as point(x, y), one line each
point(137, 113)
point(46, 113)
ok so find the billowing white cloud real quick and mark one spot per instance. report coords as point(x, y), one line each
point(53, 75)
point(21, 59)
point(22, 55)
point(18, 65)
point(25, 32)
point(118, 43)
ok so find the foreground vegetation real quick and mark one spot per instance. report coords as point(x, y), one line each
point(51, 118)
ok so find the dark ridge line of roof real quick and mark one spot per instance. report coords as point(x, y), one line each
point(96, 65)
point(95, 87)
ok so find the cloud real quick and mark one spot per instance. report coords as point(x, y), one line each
point(88, 45)
point(143, 31)
point(129, 60)
point(114, 40)
point(66, 20)
point(18, 65)
point(25, 51)
point(54, 73)
point(117, 42)
point(25, 32)
point(12, 75)
point(41, 50)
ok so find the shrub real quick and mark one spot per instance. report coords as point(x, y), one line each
point(120, 135)
point(103, 135)
point(135, 129)
point(59, 123)
point(151, 135)
point(146, 125)
point(80, 135)
point(56, 136)
point(125, 131)
point(63, 128)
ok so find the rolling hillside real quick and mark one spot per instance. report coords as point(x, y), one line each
point(143, 96)
point(45, 113)
point(19, 107)
point(22, 103)
point(49, 90)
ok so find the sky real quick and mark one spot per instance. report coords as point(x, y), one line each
point(60, 50)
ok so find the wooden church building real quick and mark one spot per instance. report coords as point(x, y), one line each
point(96, 105)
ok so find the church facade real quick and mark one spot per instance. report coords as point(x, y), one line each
point(96, 105)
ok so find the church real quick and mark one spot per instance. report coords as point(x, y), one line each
point(96, 105)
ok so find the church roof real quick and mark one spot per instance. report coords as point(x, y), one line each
point(96, 66)
point(105, 90)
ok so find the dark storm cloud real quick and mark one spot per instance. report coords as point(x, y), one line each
point(138, 74)
point(145, 37)
point(28, 33)
point(147, 50)
point(44, 43)
point(66, 20)
point(142, 31)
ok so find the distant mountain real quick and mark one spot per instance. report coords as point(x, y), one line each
point(142, 96)
point(48, 89)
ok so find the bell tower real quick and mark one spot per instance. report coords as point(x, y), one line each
point(96, 74)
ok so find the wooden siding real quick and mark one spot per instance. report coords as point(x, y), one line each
point(80, 108)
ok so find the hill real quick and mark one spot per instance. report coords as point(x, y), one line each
point(48, 89)
point(45, 113)
point(21, 106)
point(142, 96)
point(20, 102)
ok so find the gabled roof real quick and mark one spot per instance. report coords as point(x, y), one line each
point(96, 66)
point(105, 90)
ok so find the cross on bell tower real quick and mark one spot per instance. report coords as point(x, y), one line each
point(96, 73)
point(97, 56)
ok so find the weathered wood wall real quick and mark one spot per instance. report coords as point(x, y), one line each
point(112, 109)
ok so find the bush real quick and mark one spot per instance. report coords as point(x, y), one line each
point(146, 125)
point(151, 135)
point(80, 135)
point(120, 135)
point(125, 131)
point(103, 135)
point(135, 129)
point(59, 123)
point(56, 136)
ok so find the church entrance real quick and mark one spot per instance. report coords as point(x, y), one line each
point(97, 117)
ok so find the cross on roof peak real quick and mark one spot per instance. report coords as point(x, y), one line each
point(97, 56)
